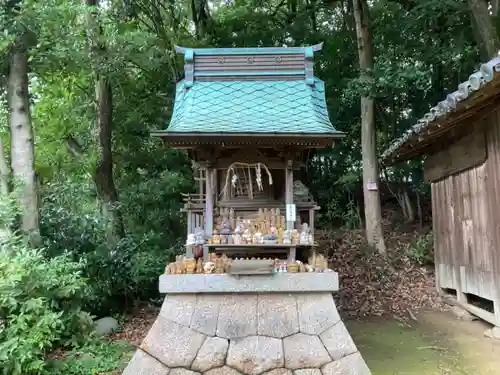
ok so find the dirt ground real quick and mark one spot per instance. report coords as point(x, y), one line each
point(436, 344)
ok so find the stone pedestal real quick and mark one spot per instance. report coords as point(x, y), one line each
point(281, 324)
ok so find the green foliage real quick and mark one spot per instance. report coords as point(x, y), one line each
point(128, 272)
point(422, 251)
point(40, 306)
point(96, 357)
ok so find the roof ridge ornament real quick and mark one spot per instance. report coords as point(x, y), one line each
point(188, 67)
point(309, 65)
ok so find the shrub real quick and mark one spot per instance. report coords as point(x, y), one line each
point(40, 306)
point(128, 271)
point(422, 251)
point(95, 357)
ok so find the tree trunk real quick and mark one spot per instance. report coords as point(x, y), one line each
point(5, 231)
point(486, 31)
point(103, 175)
point(494, 7)
point(409, 207)
point(373, 212)
point(22, 145)
point(4, 171)
point(419, 209)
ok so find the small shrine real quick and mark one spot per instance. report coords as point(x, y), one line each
point(250, 118)
point(250, 296)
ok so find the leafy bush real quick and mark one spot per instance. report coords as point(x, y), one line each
point(422, 251)
point(40, 306)
point(128, 271)
point(95, 357)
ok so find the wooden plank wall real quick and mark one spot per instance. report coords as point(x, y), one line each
point(466, 222)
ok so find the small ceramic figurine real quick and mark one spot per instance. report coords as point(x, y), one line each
point(225, 228)
point(177, 268)
point(246, 236)
point(219, 265)
point(199, 266)
point(226, 262)
point(200, 236)
point(169, 269)
point(281, 234)
point(302, 267)
point(295, 236)
point(191, 239)
point(209, 267)
point(257, 237)
point(293, 267)
point(216, 238)
point(190, 265)
point(239, 226)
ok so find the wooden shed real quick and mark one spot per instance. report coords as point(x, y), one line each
point(249, 119)
point(460, 139)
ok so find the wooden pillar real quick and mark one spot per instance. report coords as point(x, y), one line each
point(190, 228)
point(289, 190)
point(209, 203)
point(311, 220)
point(215, 185)
point(289, 200)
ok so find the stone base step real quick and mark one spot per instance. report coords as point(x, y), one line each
point(298, 333)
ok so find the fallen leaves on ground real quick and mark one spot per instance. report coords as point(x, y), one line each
point(137, 325)
point(379, 285)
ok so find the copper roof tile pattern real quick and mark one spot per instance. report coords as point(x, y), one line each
point(251, 106)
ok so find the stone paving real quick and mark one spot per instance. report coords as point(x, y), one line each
point(252, 334)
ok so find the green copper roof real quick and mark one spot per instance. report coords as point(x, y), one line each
point(251, 106)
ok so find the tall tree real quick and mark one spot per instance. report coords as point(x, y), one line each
point(103, 174)
point(373, 212)
point(484, 26)
point(22, 144)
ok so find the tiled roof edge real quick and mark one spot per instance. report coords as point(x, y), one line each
point(476, 82)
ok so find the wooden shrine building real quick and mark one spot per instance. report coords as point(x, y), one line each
point(249, 119)
point(460, 139)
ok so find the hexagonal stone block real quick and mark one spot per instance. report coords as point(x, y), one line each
point(173, 344)
point(317, 312)
point(225, 370)
point(277, 315)
point(212, 354)
point(179, 308)
point(182, 371)
point(304, 351)
point(353, 364)
point(206, 313)
point(279, 371)
point(143, 364)
point(307, 371)
point(338, 341)
point(255, 354)
point(237, 316)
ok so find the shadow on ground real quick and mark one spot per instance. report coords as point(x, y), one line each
point(437, 344)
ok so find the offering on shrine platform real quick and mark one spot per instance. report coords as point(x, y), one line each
point(221, 265)
point(266, 227)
